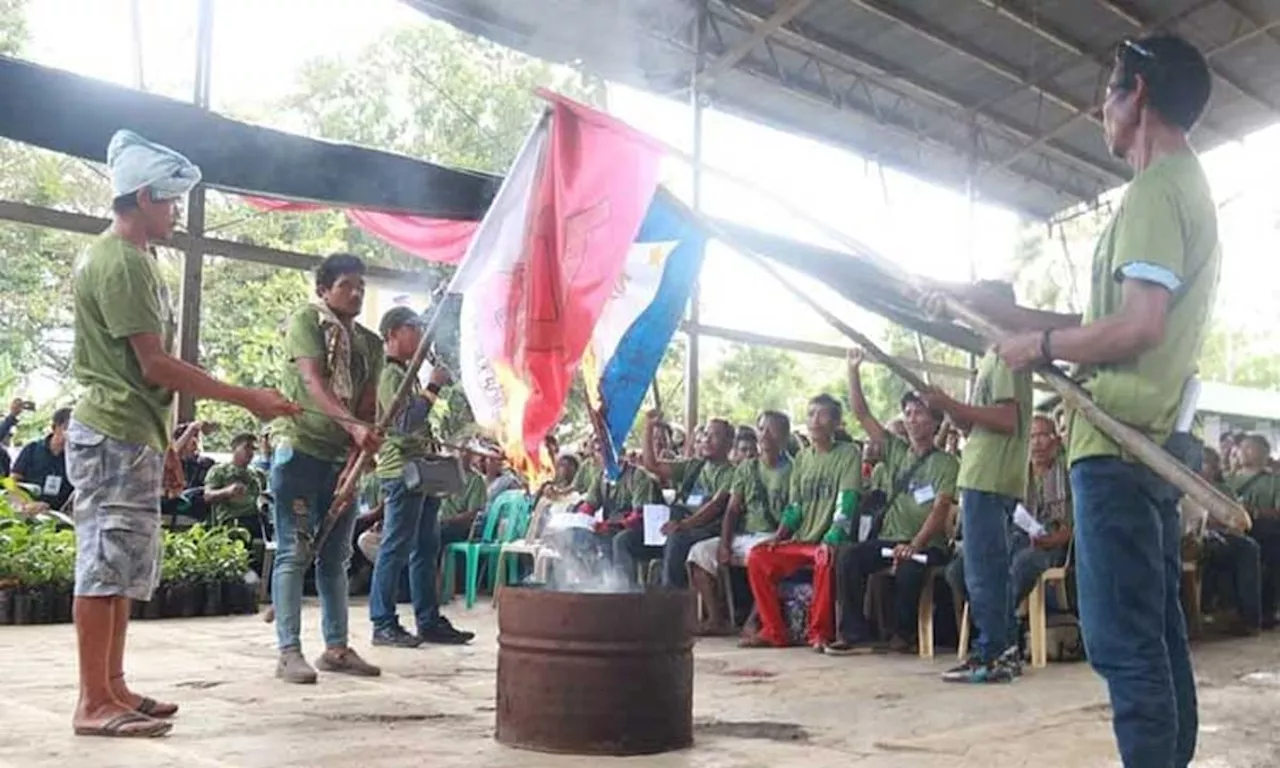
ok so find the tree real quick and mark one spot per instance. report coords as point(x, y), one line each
point(428, 91)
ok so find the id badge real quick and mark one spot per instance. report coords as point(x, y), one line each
point(924, 494)
point(52, 485)
point(695, 500)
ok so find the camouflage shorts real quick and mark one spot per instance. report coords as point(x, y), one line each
point(117, 513)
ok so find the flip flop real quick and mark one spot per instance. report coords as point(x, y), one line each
point(152, 708)
point(115, 727)
point(755, 641)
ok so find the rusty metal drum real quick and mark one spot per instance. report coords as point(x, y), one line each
point(594, 673)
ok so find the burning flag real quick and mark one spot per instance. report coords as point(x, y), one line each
point(640, 318)
point(542, 266)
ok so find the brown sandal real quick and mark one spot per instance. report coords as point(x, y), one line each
point(115, 728)
point(152, 708)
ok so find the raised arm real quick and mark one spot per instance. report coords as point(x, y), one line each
point(858, 401)
point(649, 454)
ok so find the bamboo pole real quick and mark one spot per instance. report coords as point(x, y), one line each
point(1215, 502)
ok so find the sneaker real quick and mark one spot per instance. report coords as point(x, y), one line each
point(1011, 660)
point(396, 636)
point(979, 672)
point(900, 644)
point(293, 668)
point(442, 632)
point(345, 661)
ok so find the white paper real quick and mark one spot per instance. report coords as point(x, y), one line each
point(655, 516)
point(887, 554)
point(864, 528)
point(924, 495)
point(1023, 519)
point(1187, 405)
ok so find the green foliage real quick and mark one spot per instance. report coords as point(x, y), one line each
point(202, 554)
point(34, 554)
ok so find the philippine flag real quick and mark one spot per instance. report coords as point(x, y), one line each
point(641, 316)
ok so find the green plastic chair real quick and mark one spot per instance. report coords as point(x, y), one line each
point(511, 507)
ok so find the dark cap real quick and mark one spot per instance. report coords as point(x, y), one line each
point(398, 317)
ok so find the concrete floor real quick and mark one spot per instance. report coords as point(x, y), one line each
point(752, 708)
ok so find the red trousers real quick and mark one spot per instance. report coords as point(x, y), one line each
point(766, 567)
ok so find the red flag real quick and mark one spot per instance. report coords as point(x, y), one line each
point(582, 210)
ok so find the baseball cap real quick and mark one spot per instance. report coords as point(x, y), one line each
point(397, 317)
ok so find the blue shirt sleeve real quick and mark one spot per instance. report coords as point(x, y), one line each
point(6, 427)
point(1151, 273)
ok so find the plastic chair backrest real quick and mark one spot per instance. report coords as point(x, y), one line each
point(507, 504)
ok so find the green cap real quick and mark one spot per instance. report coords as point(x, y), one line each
point(398, 317)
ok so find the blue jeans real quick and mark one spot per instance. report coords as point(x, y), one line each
point(985, 522)
point(1128, 568)
point(410, 535)
point(303, 487)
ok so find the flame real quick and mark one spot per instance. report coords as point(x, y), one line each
point(535, 469)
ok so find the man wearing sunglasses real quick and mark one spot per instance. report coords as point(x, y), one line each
point(1155, 274)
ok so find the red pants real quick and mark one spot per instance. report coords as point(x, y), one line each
point(767, 566)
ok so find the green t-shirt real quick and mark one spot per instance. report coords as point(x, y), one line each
point(1166, 220)
point(472, 498)
point(586, 477)
point(311, 432)
point(118, 292)
point(397, 446)
point(1259, 495)
point(621, 497)
point(245, 505)
point(995, 462)
point(764, 491)
point(935, 477)
point(712, 479)
point(879, 479)
point(816, 482)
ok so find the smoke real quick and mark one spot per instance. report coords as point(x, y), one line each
point(580, 565)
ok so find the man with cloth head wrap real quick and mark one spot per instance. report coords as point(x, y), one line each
point(117, 453)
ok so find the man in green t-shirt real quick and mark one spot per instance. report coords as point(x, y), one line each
point(332, 368)
point(757, 498)
point(1154, 278)
point(993, 479)
point(410, 526)
point(702, 488)
point(232, 489)
point(912, 535)
point(117, 444)
point(458, 512)
point(1258, 489)
point(809, 530)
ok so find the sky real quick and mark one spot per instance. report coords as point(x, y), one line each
point(259, 46)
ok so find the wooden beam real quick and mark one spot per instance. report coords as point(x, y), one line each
point(77, 116)
point(34, 215)
point(821, 350)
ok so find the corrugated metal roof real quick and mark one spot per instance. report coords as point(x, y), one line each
point(937, 88)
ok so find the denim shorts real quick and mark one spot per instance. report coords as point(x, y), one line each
point(117, 513)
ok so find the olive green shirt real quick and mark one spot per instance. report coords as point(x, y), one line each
point(397, 446)
point(312, 432)
point(1167, 219)
point(245, 505)
point(764, 491)
point(712, 478)
point(631, 490)
point(472, 498)
point(118, 292)
point(816, 482)
point(586, 476)
point(909, 510)
point(996, 462)
point(1259, 495)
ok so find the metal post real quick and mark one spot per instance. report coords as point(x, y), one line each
point(695, 97)
point(193, 259)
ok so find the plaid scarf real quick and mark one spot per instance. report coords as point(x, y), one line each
point(1049, 495)
point(337, 345)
